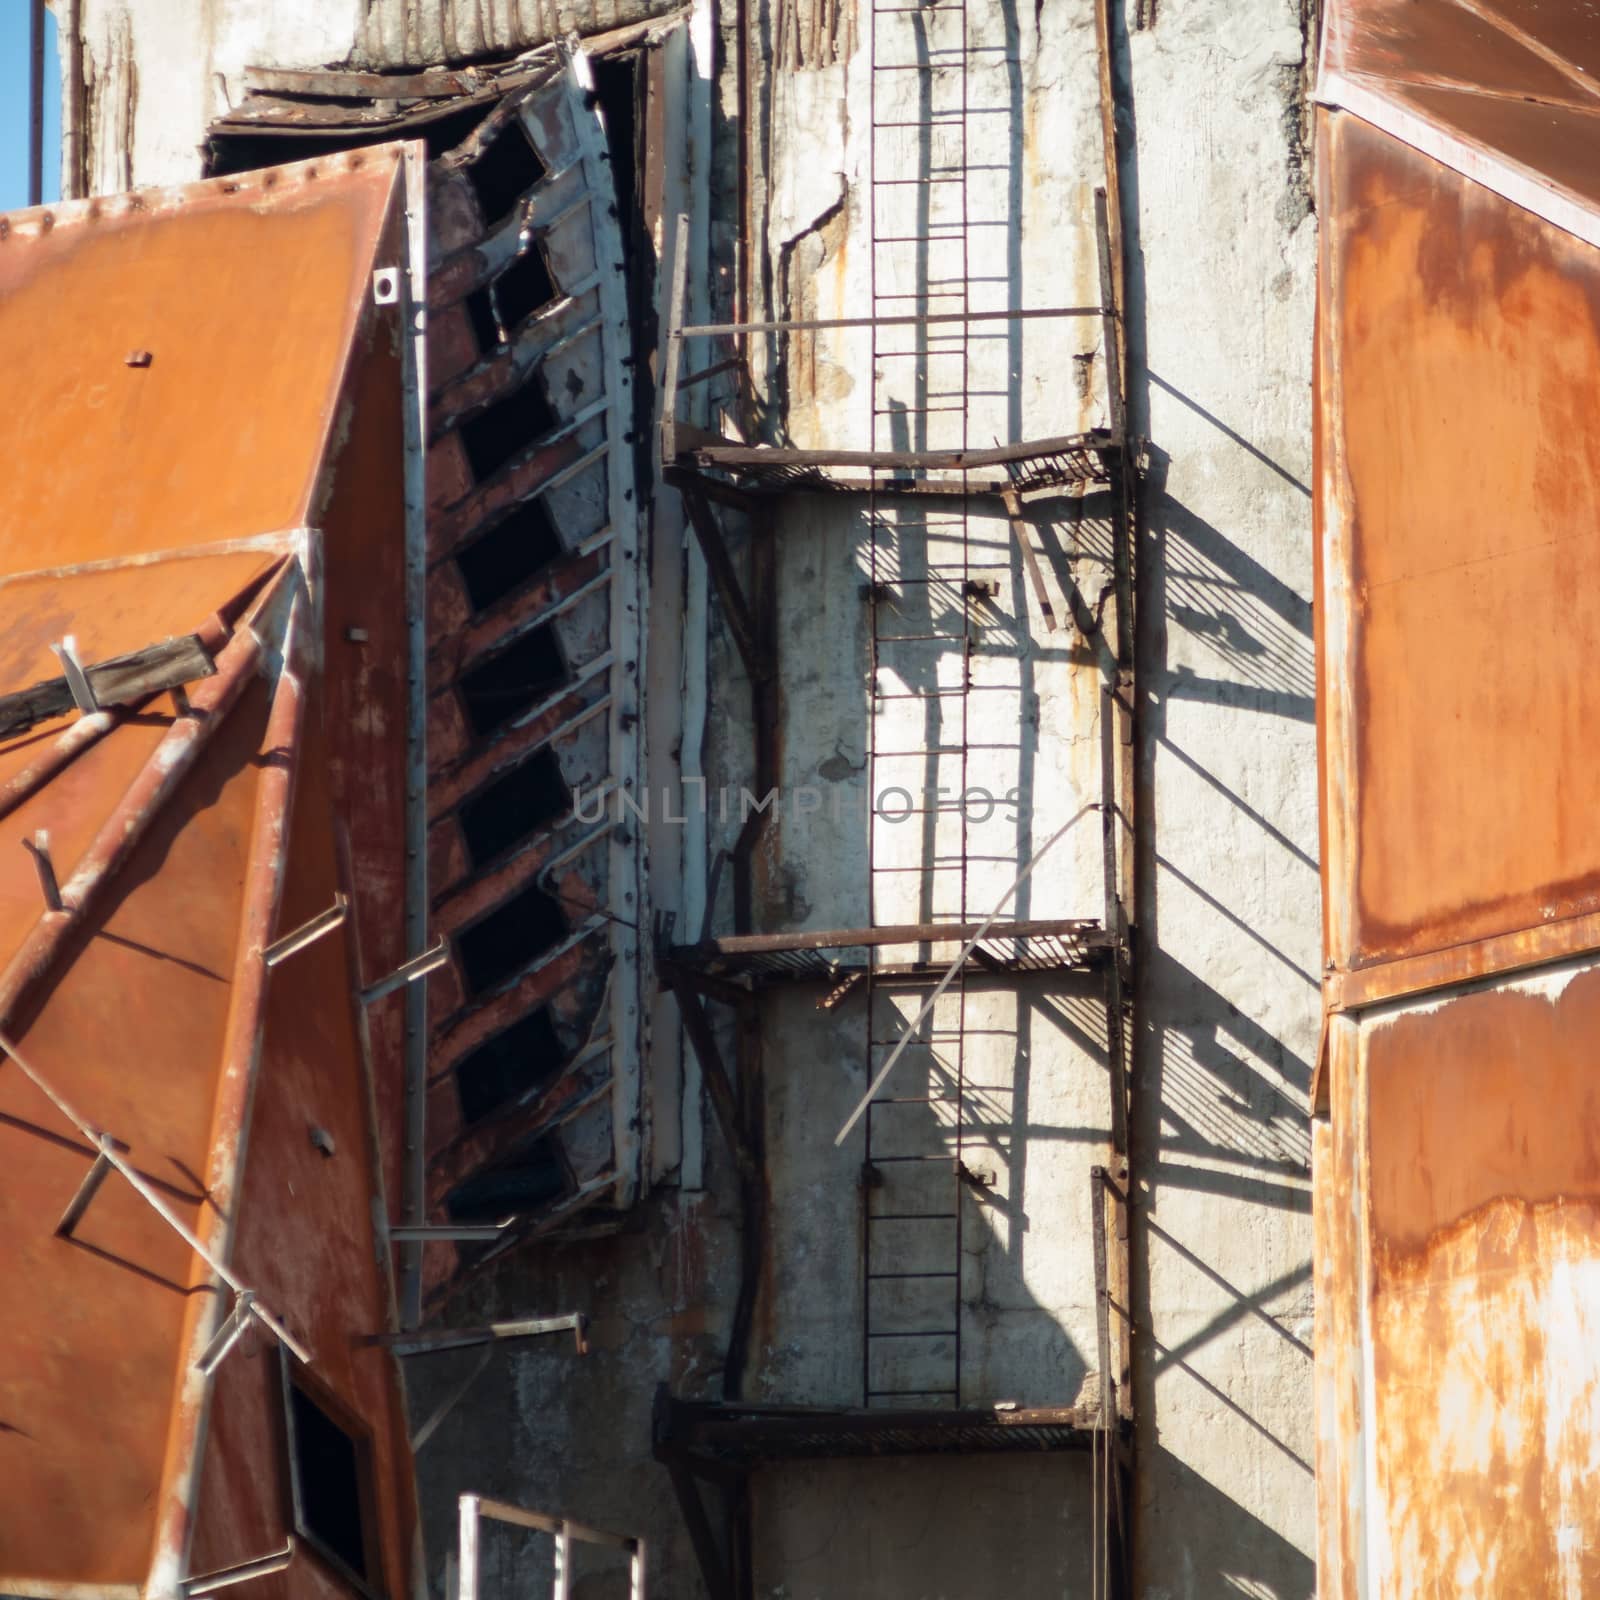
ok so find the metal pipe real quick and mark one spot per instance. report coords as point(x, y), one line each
point(467, 1549)
point(36, 102)
point(888, 933)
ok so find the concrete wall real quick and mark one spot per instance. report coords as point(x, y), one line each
point(1219, 235)
point(1220, 319)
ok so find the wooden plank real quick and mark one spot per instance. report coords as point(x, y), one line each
point(435, 85)
point(115, 681)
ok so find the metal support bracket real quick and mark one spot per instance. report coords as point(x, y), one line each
point(77, 680)
point(1019, 528)
point(307, 933)
point(418, 966)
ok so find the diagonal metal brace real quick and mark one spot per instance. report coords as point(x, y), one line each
point(741, 623)
point(698, 1026)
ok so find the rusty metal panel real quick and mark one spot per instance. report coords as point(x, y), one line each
point(1503, 93)
point(209, 370)
point(1475, 1287)
point(1446, 42)
point(182, 350)
point(1460, 487)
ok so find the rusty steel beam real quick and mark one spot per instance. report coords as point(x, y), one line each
point(1019, 528)
point(735, 455)
point(815, 324)
point(893, 933)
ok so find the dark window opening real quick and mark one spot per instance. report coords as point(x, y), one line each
point(521, 1060)
point(330, 1483)
point(499, 307)
point(509, 554)
point(504, 172)
point(510, 938)
point(239, 151)
point(524, 287)
point(510, 425)
point(518, 803)
point(533, 1177)
point(513, 679)
point(485, 324)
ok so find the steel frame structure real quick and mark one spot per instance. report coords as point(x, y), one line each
point(924, 490)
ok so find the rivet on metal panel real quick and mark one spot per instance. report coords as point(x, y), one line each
point(386, 286)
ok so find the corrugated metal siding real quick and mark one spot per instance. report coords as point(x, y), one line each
point(421, 33)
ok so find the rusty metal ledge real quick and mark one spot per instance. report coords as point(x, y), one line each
point(1495, 956)
point(749, 1434)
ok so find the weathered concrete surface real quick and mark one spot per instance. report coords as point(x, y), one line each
point(1219, 318)
point(156, 72)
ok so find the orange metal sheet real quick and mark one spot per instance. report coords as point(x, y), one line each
point(1444, 41)
point(208, 372)
point(1457, 1181)
point(243, 295)
point(131, 1032)
point(1460, 490)
point(1476, 1271)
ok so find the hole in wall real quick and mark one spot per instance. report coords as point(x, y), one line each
point(503, 173)
point(507, 555)
point(511, 424)
point(518, 803)
point(512, 679)
point(524, 287)
point(519, 1060)
point(485, 325)
point(228, 153)
point(509, 938)
point(501, 306)
point(534, 1176)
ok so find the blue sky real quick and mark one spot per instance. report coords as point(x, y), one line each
point(14, 107)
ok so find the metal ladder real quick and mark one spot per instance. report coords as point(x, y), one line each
point(920, 615)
